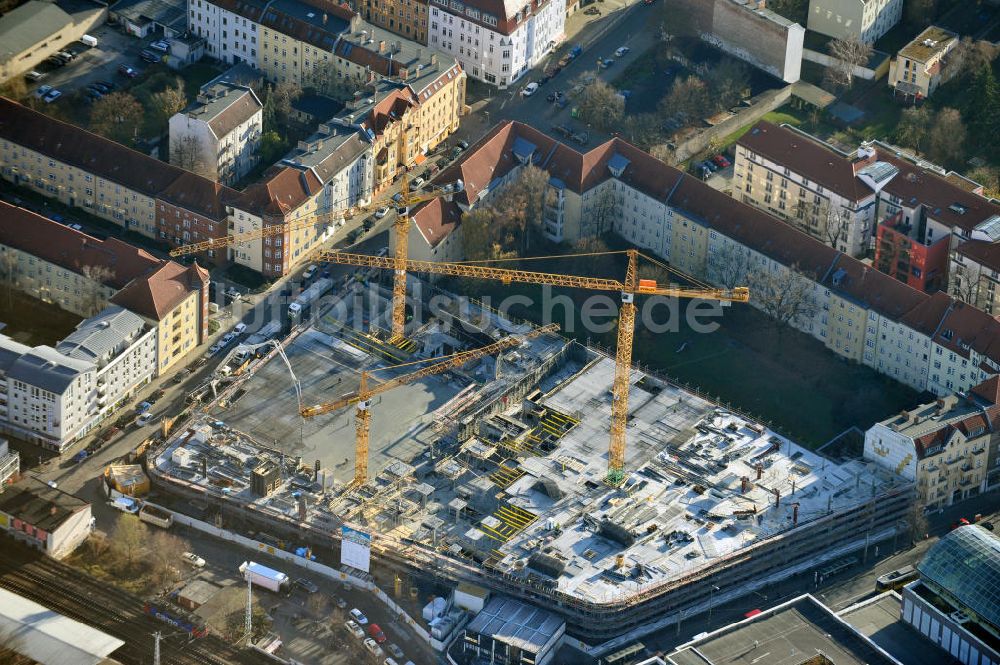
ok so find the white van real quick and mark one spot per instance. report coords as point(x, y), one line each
point(89, 40)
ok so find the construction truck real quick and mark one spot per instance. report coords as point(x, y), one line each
point(156, 516)
point(300, 307)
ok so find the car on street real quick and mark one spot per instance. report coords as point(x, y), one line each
point(160, 45)
point(354, 629)
point(464, 145)
point(398, 197)
point(240, 328)
point(381, 212)
point(310, 271)
point(529, 89)
point(127, 71)
point(108, 85)
point(373, 647)
point(149, 56)
point(592, 11)
point(306, 585)
point(359, 616)
point(215, 348)
point(721, 161)
point(143, 407)
point(621, 50)
point(417, 182)
point(144, 419)
point(394, 649)
point(605, 63)
point(228, 338)
point(193, 559)
point(375, 632)
point(34, 76)
point(42, 91)
point(52, 96)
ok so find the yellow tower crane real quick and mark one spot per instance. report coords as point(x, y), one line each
point(363, 396)
point(628, 288)
point(406, 200)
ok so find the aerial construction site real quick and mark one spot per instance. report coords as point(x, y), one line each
point(492, 468)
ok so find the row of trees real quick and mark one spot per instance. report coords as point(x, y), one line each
point(153, 560)
point(692, 97)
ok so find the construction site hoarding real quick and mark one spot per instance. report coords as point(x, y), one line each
point(355, 549)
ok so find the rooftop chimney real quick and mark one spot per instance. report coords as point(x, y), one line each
point(777, 497)
point(795, 513)
point(381, 46)
point(324, 18)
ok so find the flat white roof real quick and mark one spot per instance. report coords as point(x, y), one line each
point(50, 637)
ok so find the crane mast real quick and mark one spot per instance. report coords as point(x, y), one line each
point(628, 288)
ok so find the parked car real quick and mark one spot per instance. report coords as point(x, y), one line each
point(240, 328)
point(605, 63)
point(398, 197)
point(144, 419)
point(193, 559)
point(306, 585)
point(149, 56)
point(106, 84)
point(592, 11)
point(417, 182)
point(355, 629)
point(464, 145)
point(310, 271)
point(341, 603)
point(34, 76)
point(721, 161)
point(359, 616)
point(373, 647)
point(42, 91)
point(127, 71)
point(529, 89)
point(215, 348)
point(376, 633)
point(394, 649)
point(52, 96)
point(621, 50)
point(381, 212)
point(143, 407)
point(160, 45)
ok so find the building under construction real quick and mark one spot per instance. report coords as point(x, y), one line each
point(494, 473)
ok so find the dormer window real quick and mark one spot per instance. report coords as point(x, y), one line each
point(617, 165)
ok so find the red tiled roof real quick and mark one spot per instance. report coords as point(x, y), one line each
point(989, 390)
point(72, 250)
point(156, 295)
point(282, 190)
point(914, 185)
point(806, 157)
point(436, 220)
point(982, 252)
point(964, 327)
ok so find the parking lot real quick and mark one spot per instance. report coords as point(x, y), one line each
point(92, 64)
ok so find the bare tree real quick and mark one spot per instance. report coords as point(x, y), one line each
point(688, 98)
point(171, 100)
point(968, 58)
point(128, 540)
point(9, 273)
point(834, 225)
point(94, 297)
point(785, 295)
point(477, 240)
point(849, 52)
point(164, 555)
point(186, 152)
point(946, 141)
point(603, 212)
point(728, 83)
point(601, 105)
point(325, 81)
point(963, 286)
point(913, 127)
point(730, 266)
point(533, 185)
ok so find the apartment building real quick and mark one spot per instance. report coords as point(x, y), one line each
point(173, 300)
point(496, 42)
point(406, 18)
point(943, 447)
point(975, 267)
point(933, 343)
point(867, 19)
point(10, 465)
point(919, 67)
point(44, 517)
point(405, 120)
point(229, 28)
point(121, 346)
point(748, 30)
point(901, 253)
point(218, 136)
point(828, 194)
point(68, 268)
point(135, 191)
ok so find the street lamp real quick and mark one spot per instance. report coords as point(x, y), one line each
point(711, 601)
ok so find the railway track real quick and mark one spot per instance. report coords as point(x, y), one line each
point(107, 608)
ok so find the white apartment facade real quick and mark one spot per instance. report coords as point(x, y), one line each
point(496, 42)
point(218, 136)
point(121, 346)
point(867, 19)
point(229, 36)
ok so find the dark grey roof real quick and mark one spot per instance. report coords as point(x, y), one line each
point(102, 336)
point(328, 153)
point(39, 504)
point(46, 368)
point(32, 22)
point(170, 13)
point(965, 565)
point(10, 351)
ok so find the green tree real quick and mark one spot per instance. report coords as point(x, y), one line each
point(913, 126)
point(477, 238)
point(272, 147)
point(989, 178)
point(168, 102)
point(117, 116)
point(983, 104)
